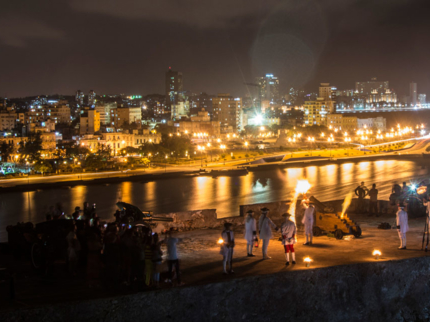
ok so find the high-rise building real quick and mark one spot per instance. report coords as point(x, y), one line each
point(226, 111)
point(127, 115)
point(180, 109)
point(89, 122)
point(174, 87)
point(316, 112)
point(366, 88)
point(105, 111)
point(268, 88)
point(413, 93)
point(80, 97)
point(422, 98)
point(91, 98)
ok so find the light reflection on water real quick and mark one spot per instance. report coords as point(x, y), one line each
point(225, 194)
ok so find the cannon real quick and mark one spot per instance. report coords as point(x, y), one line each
point(333, 224)
point(329, 222)
point(132, 215)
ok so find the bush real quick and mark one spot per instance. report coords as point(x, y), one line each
point(428, 149)
point(247, 155)
point(260, 152)
point(233, 157)
point(223, 155)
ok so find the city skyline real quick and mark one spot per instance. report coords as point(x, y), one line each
point(125, 48)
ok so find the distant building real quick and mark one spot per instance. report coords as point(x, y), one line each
point(127, 115)
point(200, 124)
point(59, 114)
point(268, 88)
point(89, 122)
point(180, 109)
point(422, 98)
point(377, 97)
point(316, 112)
point(227, 112)
point(341, 122)
point(366, 88)
point(8, 118)
point(91, 98)
point(105, 111)
point(413, 93)
point(80, 97)
point(377, 123)
point(174, 87)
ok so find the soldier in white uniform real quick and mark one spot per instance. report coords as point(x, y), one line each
point(265, 225)
point(227, 247)
point(288, 230)
point(250, 232)
point(308, 221)
point(402, 225)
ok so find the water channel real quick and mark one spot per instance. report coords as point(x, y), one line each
point(225, 194)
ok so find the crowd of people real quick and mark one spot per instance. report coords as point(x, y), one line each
point(116, 254)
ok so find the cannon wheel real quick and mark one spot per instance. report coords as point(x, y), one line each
point(316, 231)
point(338, 234)
point(36, 256)
point(357, 232)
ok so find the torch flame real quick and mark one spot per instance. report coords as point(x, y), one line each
point(302, 187)
point(346, 203)
point(220, 241)
point(307, 259)
point(421, 190)
point(376, 253)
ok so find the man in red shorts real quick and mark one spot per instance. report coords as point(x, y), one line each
point(288, 230)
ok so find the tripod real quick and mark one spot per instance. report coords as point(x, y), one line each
point(426, 232)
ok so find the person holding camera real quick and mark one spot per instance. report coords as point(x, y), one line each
point(227, 247)
point(288, 231)
point(402, 225)
point(250, 232)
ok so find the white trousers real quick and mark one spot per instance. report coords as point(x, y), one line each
point(265, 246)
point(249, 248)
point(402, 237)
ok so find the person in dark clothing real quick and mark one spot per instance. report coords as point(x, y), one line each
point(361, 192)
point(77, 213)
point(373, 203)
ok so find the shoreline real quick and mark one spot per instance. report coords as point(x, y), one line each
point(235, 170)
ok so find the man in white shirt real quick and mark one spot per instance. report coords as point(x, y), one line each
point(250, 232)
point(288, 230)
point(172, 255)
point(265, 225)
point(308, 221)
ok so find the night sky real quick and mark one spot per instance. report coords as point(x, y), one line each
point(59, 46)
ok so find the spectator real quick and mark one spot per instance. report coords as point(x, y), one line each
point(172, 255)
point(73, 250)
point(94, 260)
point(361, 191)
point(148, 260)
point(373, 203)
point(157, 254)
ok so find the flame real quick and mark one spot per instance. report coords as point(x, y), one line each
point(302, 187)
point(307, 259)
point(220, 241)
point(376, 253)
point(346, 203)
point(421, 190)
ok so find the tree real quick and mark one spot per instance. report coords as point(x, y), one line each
point(5, 150)
point(104, 151)
point(30, 149)
point(43, 166)
point(94, 162)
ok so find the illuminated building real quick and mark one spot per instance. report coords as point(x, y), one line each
point(91, 98)
point(180, 109)
point(341, 122)
point(80, 97)
point(316, 112)
point(413, 93)
point(127, 115)
point(174, 87)
point(226, 111)
point(366, 88)
point(200, 124)
point(268, 88)
point(377, 97)
point(106, 112)
point(422, 99)
point(8, 118)
point(378, 123)
point(89, 122)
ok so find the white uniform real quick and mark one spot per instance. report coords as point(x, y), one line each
point(308, 220)
point(265, 224)
point(288, 230)
point(402, 221)
point(227, 249)
point(250, 227)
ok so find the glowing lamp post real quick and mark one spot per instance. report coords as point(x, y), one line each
point(376, 253)
point(307, 261)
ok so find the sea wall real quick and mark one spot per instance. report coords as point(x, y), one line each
point(379, 291)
